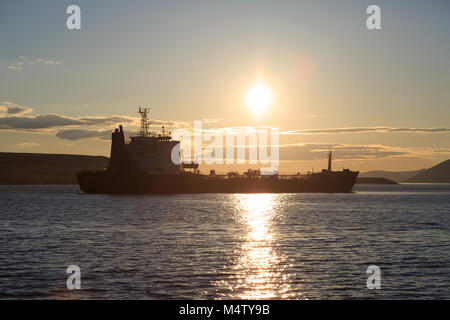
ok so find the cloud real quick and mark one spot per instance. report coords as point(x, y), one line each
point(15, 67)
point(28, 144)
point(366, 130)
point(341, 152)
point(212, 120)
point(243, 130)
point(105, 121)
point(76, 134)
point(37, 122)
point(66, 144)
point(316, 151)
point(55, 120)
point(169, 123)
point(420, 130)
point(13, 118)
point(48, 61)
point(17, 110)
point(20, 63)
point(13, 109)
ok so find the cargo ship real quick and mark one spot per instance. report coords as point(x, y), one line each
point(144, 166)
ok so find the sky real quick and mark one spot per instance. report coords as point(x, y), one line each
point(378, 99)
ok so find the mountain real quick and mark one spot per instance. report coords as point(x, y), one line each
point(397, 176)
point(372, 180)
point(438, 174)
point(38, 168)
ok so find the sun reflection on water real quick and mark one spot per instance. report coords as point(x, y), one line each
point(258, 272)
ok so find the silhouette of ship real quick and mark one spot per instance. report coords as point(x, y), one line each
point(144, 166)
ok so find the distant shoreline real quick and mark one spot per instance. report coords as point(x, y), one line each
point(61, 169)
point(371, 180)
point(37, 183)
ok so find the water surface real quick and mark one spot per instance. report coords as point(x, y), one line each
point(225, 246)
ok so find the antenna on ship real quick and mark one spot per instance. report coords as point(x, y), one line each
point(329, 161)
point(144, 122)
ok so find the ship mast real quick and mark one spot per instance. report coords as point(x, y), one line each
point(329, 161)
point(144, 122)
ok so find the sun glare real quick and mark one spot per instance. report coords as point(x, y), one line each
point(259, 98)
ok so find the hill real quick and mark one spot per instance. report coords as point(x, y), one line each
point(372, 180)
point(397, 176)
point(38, 168)
point(438, 174)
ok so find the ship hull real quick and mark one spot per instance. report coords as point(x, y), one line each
point(125, 183)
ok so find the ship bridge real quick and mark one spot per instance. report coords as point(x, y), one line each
point(147, 152)
point(151, 152)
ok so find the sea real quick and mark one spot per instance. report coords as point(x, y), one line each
point(226, 246)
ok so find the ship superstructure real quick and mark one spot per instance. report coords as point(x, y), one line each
point(146, 152)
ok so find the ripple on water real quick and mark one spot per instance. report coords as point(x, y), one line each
point(222, 246)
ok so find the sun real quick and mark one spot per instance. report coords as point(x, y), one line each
point(259, 98)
